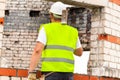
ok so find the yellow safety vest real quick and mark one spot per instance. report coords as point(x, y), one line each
point(61, 43)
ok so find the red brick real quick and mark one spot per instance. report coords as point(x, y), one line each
point(80, 77)
point(102, 78)
point(94, 78)
point(118, 40)
point(7, 72)
point(109, 79)
point(102, 37)
point(2, 21)
point(22, 73)
point(112, 39)
point(115, 1)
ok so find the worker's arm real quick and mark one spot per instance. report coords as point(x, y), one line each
point(78, 51)
point(36, 56)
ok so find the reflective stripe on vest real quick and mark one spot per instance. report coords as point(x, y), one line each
point(59, 47)
point(58, 60)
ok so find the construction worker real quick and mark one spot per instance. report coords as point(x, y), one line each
point(56, 43)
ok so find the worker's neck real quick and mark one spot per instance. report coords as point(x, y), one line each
point(58, 21)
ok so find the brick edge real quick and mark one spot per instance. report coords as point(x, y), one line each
point(2, 21)
point(24, 73)
point(115, 1)
point(110, 38)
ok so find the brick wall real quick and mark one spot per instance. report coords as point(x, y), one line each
point(105, 41)
point(22, 21)
point(112, 44)
point(80, 18)
point(2, 9)
point(21, 74)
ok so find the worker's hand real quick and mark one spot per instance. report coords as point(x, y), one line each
point(42, 77)
point(32, 76)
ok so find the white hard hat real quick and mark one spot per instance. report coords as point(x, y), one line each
point(58, 7)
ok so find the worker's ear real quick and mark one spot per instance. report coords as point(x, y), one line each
point(51, 17)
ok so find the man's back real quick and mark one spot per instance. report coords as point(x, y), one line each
point(60, 45)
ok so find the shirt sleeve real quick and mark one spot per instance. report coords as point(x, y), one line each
point(42, 36)
point(78, 44)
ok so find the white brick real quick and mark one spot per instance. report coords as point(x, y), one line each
point(2, 13)
point(100, 57)
point(119, 28)
point(106, 73)
point(15, 78)
point(1, 37)
point(115, 20)
point(112, 58)
point(2, 6)
point(101, 30)
point(115, 26)
point(110, 5)
point(114, 32)
point(107, 44)
point(95, 71)
point(110, 51)
point(117, 47)
point(106, 57)
point(119, 60)
point(24, 78)
point(116, 53)
point(95, 44)
point(101, 43)
point(95, 24)
point(119, 13)
point(114, 13)
point(93, 57)
point(106, 50)
point(107, 30)
point(118, 34)
point(100, 50)
point(1, 28)
point(3, 62)
point(93, 37)
point(4, 78)
point(105, 64)
point(116, 73)
point(106, 10)
point(94, 30)
point(112, 65)
point(116, 7)
point(3, 1)
point(95, 2)
point(0, 44)
point(106, 23)
point(108, 17)
point(94, 50)
point(116, 59)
